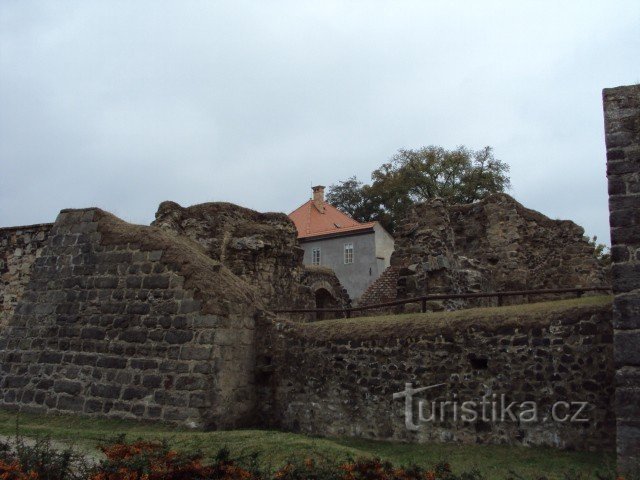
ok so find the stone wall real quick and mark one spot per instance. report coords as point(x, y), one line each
point(384, 289)
point(260, 248)
point(491, 245)
point(327, 291)
point(622, 133)
point(338, 377)
point(19, 249)
point(128, 321)
point(170, 323)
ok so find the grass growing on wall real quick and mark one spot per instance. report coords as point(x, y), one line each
point(529, 314)
point(276, 447)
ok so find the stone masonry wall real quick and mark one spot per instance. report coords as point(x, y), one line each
point(19, 249)
point(127, 321)
point(260, 248)
point(338, 377)
point(622, 134)
point(383, 289)
point(495, 244)
point(322, 281)
point(523, 248)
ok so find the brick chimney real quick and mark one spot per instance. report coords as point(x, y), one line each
point(318, 197)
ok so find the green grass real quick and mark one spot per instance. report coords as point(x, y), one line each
point(523, 315)
point(276, 447)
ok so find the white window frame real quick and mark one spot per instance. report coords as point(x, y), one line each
point(348, 253)
point(316, 256)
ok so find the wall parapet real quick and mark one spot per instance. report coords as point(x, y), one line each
point(127, 321)
point(338, 377)
point(622, 135)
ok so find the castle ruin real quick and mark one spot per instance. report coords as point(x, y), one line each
point(174, 321)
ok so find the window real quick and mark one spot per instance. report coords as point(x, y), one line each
point(315, 256)
point(348, 253)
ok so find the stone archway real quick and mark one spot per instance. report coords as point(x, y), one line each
point(326, 289)
point(324, 299)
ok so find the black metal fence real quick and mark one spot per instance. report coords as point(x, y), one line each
point(579, 291)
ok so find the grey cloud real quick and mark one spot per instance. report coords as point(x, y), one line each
point(125, 104)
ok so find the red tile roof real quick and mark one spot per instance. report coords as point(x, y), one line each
point(310, 222)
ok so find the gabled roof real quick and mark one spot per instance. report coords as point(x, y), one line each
point(310, 222)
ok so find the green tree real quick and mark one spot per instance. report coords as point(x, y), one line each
point(601, 251)
point(457, 176)
point(359, 201)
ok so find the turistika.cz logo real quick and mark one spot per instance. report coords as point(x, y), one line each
point(491, 408)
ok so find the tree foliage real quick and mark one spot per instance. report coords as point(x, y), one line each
point(457, 176)
point(601, 251)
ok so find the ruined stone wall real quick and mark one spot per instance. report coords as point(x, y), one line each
point(495, 244)
point(19, 249)
point(260, 248)
point(169, 323)
point(522, 248)
point(338, 377)
point(321, 279)
point(127, 321)
point(622, 134)
point(384, 289)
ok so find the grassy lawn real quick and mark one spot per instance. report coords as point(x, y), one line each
point(276, 447)
point(382, 326)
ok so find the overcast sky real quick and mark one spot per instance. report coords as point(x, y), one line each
point(122, 105)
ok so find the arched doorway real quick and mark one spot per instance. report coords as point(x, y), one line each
point(324, 299)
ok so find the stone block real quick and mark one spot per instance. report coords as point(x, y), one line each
point(627, 403)
point(93, 333)
point(617, 185)
point(178, 336)
point(138, 409)
point(93, 406)
point(152, 381)
point(627, 347)
point(628, 446)
point(629, 234)
point(623, 203)
point(144, 363)
point(50, 357)
point(175, 414)
point(70, 403)
point(156, 335)
point(134, 393)
point(133, 336)
point(106, 282)
point(27, 396)
point(626, 311)
point(622, 167)
point(172, 366)
point(195, 353)
point(111, 362)
point(154, 412)
point(190, 382)
point(179, 322)
point(626, 277)
point(138, 308)
point(199, 400)
point(155, 281)
point(134, 281)
point(163, 397)
point(189, 306)
point(155, 255)
point(105, 390)
point(67, 386)
point(619, 253)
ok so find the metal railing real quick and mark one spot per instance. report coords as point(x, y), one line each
point(347, 311)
